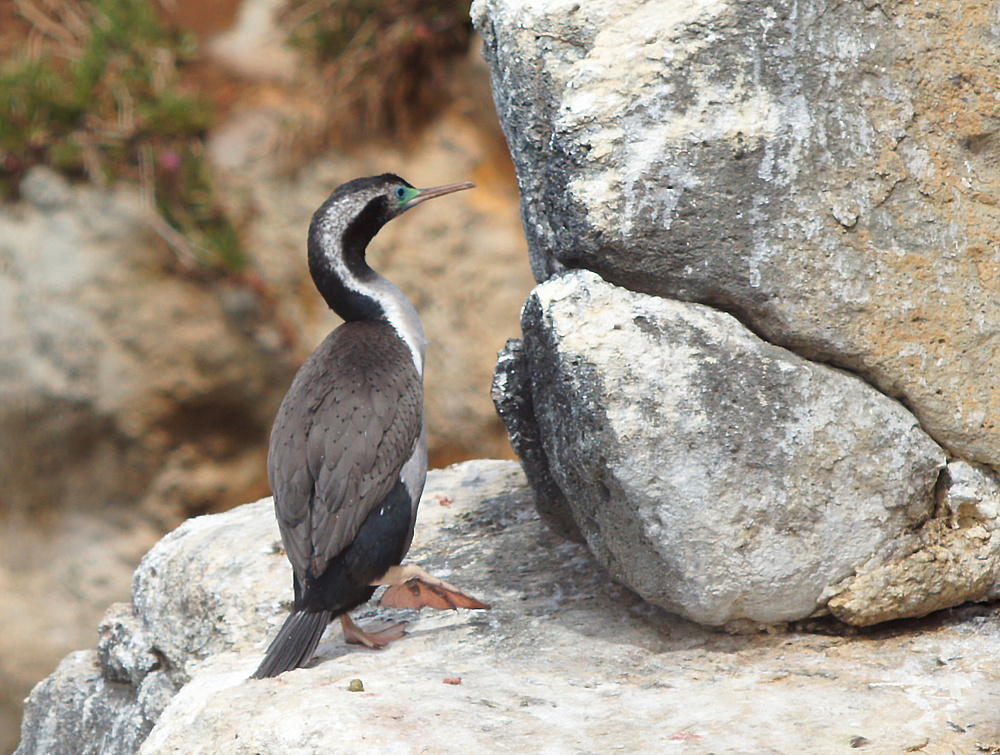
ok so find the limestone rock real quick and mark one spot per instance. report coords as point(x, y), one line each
point(216, 583)
point(971, 494)
point(78, 711)
point(565, 661)
point(954, 558)
point(124, 651)
point(824, 170)
point(719, 476)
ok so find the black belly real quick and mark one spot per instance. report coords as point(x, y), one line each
point(380, 543)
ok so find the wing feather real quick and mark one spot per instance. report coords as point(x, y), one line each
point(349, 422)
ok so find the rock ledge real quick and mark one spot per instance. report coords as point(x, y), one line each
point(565, 662)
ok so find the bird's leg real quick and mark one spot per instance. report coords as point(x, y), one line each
point(412, 587)
point(374, 640)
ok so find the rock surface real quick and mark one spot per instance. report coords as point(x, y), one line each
point(824, 170)
point(719, 476)
point(511, 393)
point(564, 662)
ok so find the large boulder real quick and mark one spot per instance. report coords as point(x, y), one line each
point(565, 661)
point(824, 170)
point(719, 476)
point(820, 172)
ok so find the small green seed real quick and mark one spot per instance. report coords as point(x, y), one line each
point(355, 685)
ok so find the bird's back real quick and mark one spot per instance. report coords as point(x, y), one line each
point(350, 420)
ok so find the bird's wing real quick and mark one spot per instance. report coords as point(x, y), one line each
point(349, 422)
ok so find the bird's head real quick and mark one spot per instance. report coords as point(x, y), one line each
point(339, 234)
point(362, 206)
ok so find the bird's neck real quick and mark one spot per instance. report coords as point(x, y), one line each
point(356, 292)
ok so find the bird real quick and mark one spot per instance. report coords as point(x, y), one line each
point(347, 457)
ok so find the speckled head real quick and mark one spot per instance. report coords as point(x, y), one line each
point(339, 234)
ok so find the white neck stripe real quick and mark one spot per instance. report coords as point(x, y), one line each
point(399, 311)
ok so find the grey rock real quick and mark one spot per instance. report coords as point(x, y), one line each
point(820, 169)
point(564, 662)
point(124, 653)
point(198, 592)
point(78, 711)
point(971, 493)
point(214, 584)
point(512, 398)
point(717, 475)
point(45, 189)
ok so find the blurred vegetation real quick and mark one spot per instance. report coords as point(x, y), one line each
point(385, 63)
point(92, 89)
point(96, 89)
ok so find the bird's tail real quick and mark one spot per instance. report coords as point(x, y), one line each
point(295, 643)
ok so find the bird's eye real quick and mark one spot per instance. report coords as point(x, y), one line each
point(400, 193)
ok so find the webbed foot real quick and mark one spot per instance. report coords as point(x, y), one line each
point(412, 587)
point(377, 640)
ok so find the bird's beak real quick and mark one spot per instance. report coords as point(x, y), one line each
point(438, 191)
